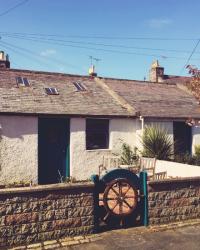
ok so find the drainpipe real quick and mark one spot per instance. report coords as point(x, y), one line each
point(142, 122)
point(141, 118)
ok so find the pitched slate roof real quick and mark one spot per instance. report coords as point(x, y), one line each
point(172, 79)
point(104, 96)
point(156, 99)
point(34, 100)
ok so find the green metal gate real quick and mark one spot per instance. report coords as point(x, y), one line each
point(121, 199)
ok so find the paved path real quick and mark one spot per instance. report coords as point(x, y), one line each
point(175, 236)
point(185, 238)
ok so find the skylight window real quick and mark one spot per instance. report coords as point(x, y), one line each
point(79, 86)
point(51, 91)
point(22, 81)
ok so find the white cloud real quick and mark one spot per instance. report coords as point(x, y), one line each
point(48, 52)
point(157, 23)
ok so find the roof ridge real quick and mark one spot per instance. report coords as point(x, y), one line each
point(43, 72)
point(116, 97)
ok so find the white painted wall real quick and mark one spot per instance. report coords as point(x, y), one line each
point(175, 169)
point(84, 163)
point(122, 131)
point(18, 149)
point(139, 131)
point(195, 138)
point(167, 125)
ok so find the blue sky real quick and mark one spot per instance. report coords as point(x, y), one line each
point(67, 32)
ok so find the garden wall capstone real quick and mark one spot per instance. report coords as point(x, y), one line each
point(41, 213)
point(175, 169)
point(173, 200)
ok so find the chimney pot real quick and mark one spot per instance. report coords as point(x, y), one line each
point(92, 71)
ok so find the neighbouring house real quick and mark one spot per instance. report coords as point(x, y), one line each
point(156, 74)
point(55, 125)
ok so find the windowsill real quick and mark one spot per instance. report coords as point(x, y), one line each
point(100, 149)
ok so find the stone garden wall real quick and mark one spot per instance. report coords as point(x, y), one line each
point(41, 213)
point(174, 200)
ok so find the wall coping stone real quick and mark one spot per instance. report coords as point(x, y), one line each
point(39, 188)
point(175, 180)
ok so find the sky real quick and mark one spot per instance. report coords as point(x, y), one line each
point(126, 36)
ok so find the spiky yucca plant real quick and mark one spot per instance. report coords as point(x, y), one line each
point(157, 143)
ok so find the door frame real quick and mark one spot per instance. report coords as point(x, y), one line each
point(189, 139)
point(66, 169)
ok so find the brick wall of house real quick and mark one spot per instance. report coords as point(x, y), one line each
point(41, 213)
point(174, 200)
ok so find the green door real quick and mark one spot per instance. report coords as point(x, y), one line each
point(182, 138)
point(53, 150)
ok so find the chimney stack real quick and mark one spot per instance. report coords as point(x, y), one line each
point(156, 72)
point(4, 60)
point(92, 70)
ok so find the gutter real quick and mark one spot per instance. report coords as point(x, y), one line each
point(68, 115)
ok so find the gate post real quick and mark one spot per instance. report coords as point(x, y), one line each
point(144, 198)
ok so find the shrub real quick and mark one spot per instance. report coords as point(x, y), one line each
point(128, 156)
point(188, 159)
point(197, 150)
point(157, 143)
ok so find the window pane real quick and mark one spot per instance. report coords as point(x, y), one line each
point(26, 82)
point(22, 81)
point(51, 91)
point(79, 86)
point(19, 80)
point(97, 133)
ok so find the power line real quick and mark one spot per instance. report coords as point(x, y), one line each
point(39, 56)
point(100, 44)
point(194, 49)
point(36, 57)
point(13, 8)
point(99, 49)
point(21, 53)
point(103, 37)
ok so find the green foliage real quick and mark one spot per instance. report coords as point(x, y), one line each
point(157, 143)
point(197, 150)
point(128, 156)
point(184, 158)
point(187, 158)
point(70, 179)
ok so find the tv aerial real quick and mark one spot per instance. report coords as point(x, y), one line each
point(94, 60)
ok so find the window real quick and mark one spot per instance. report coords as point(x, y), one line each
point(51, 91)
point(22, 81)
point(97, 134)
point(79, 86)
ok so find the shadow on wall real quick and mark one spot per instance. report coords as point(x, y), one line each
point(18, 126)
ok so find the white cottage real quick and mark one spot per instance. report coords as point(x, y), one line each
point(56, 125)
